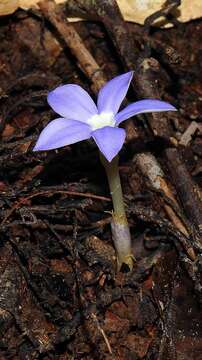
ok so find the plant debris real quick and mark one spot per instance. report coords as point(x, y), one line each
point(60, 294)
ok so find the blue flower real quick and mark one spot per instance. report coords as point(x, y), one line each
point(81, 118)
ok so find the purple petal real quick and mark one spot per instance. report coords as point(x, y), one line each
point(109, 140)
point(112, 94)
point(61, 132)
point(73, 102)
point(143, 106)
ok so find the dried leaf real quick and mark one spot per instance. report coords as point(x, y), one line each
point(8, 6)
point(138, 10)
point(132, 10)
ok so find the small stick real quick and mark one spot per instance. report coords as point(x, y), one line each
point(108, 12)
point(23, 200)
point(110, 15)
point(185, 187)
point(148, 76)
point(148, 215)
point(88, 64)
point(189, 132)
point(150, 168)
point(95, 319)
point(147, 79)
point(167, 8)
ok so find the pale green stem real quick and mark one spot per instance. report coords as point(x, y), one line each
point(119, 225)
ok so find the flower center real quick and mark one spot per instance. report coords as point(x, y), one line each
point(101, 120)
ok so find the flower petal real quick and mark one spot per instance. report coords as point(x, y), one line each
point(61, 132)
point(112, 94)
point(143, 106)
point(71, 101)
point(109, 140)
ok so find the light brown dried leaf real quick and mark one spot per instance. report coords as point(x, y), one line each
point(132, 10)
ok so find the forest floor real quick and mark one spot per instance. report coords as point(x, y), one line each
point(60, 294)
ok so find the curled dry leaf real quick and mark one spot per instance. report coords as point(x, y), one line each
point(132, 10)
point(8, 6)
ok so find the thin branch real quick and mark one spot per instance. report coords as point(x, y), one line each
point(90, 67)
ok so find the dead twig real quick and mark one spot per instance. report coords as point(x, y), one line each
point(96, 321)
point(166, 10)
point(189, 132)
point(110, 15)
point(185, 187)
point(24, 200)
point(148, 82)
point(107, 11)
point(151, 169)
point(74, 42)
point(148, 76)
point(151, 216)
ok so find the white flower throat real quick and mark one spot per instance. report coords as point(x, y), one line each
point(100, 120)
